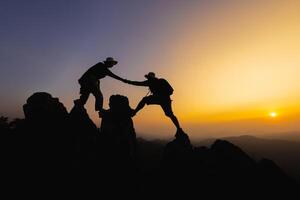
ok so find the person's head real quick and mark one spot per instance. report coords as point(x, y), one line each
point(110, 62)
point(150, 76)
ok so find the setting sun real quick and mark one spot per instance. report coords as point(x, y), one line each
point(273, 114)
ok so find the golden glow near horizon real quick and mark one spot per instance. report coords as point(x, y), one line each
point(248, 63)
point(240, 63)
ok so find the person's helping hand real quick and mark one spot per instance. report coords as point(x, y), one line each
point(126, 81)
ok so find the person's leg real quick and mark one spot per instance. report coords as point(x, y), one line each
point(175, 121)
point(140, 105)
point(84, 95)
point(146, 100)
point(99, 99)
point(167, 107)
point(83, 98)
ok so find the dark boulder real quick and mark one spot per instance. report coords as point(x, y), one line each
point(178, 152)
point(41, 106)
point(118, 146)
point(46, 133)
point(117, 128)
point(85, 138)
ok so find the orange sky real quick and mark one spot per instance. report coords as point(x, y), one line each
point(241, 64)
point(231, 63)
point(238, 66)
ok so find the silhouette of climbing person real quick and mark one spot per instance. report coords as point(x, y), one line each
point(90, 83)
point(161, 91)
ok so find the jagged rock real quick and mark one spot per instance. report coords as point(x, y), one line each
point(270, 169)
point(46, 116)
point(43, 145)
point(272, 173)
point(4, 125)
point(80, 119)
point(230, 159)
point(117, 127)
point(41, 106)
point(119, 147)
point(229, 151)
point(178, 151)
point(223, 166)
point(85, 138)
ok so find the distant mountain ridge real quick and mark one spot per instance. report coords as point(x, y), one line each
point(284, 152)
point(290, 136)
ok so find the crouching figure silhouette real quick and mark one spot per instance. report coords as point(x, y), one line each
point(161, 91)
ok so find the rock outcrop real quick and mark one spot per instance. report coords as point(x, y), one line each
point(222, 167)
point(85, 138)
point(51, 144)
point(117, 127)
point(46, 137)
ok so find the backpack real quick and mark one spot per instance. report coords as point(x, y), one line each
point(164, 87)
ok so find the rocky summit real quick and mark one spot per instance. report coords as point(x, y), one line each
point(57, 150)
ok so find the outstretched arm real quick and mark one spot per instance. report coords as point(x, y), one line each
point(115, 76)
point(137, 83)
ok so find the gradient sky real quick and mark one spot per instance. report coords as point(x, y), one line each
point(230, 62)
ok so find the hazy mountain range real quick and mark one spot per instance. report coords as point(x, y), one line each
point(284, 152)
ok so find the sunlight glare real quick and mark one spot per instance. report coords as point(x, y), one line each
point(273, 114)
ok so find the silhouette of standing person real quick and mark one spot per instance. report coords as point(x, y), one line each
point(90, 82)
point(161, 91)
